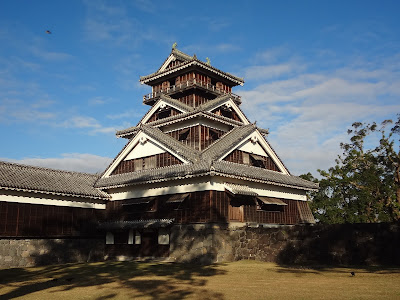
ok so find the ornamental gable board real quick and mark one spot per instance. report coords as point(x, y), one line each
point(256, 144)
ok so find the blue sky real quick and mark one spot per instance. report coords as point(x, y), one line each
point(311, 69)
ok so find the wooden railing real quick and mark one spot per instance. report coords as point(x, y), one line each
point(184, 85)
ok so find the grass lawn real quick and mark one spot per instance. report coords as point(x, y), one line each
point(237, 280)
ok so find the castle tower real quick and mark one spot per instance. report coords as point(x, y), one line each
point(195, 158)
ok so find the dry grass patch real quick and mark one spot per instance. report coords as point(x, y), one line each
point(238, 280)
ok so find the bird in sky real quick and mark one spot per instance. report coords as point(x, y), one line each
point(48, 31)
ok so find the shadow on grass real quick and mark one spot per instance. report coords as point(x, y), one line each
point(154, 280)
point(313, 269)
point(342, 245)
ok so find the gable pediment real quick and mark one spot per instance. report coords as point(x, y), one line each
point(141, 149)
point(253, 148)
point(144, 152)
point(226, 107)
point(164, 108)
point(246, 145)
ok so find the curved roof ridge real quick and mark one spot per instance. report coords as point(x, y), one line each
point(250, 172)
point(176, 102)
point(127, 131)
point(188, 60)
point(169, 142)
point(44, 168)
point(227, 141)
point(214, 102)
point(193, 114)
point(50, 181)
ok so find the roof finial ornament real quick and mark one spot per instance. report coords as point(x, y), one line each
point(174, 45)
point(195, 56)
point(208, 62)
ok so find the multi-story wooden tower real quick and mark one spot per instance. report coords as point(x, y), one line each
point(195, 158)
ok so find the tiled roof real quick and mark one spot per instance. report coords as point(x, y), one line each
point(203, 168)
point(191, 112)
point(127, 132)
point(152, 223)
point(179, 118)
point(175, 102)
point(195, 114)
point(171, 143)
point(240, 189)
point(209, 105)
point(227, 141)
point(180, 55)
point(44, 180)
point(189, 61)
point(155, 175)
point(209, 158)
point(249, 173)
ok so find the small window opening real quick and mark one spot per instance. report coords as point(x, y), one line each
point(183, 134)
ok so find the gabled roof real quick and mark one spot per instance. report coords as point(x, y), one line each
point(176, 103)
point(164, 99)
point(209, 105)
point(190, 112)
point(49, 181)
point(174, 55)
point(206, 162)
point(173, 172)
point(204, 168)
point(227, 141)
point(129, 132)
point(195, 114)
point(171, 143)
point(188, 61)
point(246, 172)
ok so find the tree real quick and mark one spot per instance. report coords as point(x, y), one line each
point(364, 185)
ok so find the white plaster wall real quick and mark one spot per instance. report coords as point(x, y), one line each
point(35, 198)
point(214, 183)
point(146, 149)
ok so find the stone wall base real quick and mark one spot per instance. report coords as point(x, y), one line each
point(34, 252)
point(339, 244)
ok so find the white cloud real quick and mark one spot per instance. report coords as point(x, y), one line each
point(99, 100)
point(49, 55)
point(87, 163)
point(129, 114)
point(271, 71)
point(15, 110)
point(85, 122)
point(111, 24)
point(308, 113)
point(81, 122)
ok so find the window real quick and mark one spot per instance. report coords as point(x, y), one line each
point(164, 114)
point(163, 237)
point(121, 237)
point(213, 134)
point(183, 134)
point(150, 162)
point(176, 202)
point(139, 205)
point(131, 237)
point(109, 238)
point(270, 204)
point(138, 238)
point(257, 161)
point(138, 164)
point(246, 158)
